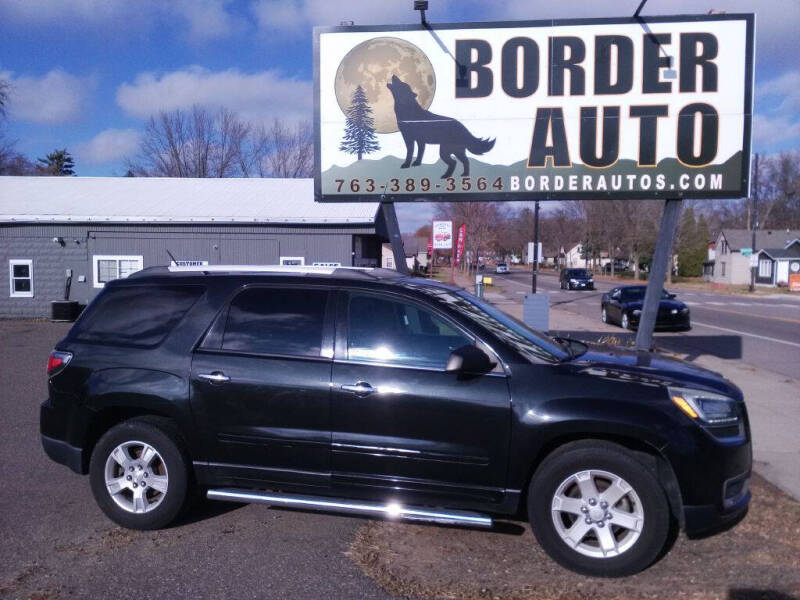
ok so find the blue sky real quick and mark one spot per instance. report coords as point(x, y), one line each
point(86, 74)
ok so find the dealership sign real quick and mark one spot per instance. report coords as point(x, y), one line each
point(442, 234)
point(570, 109)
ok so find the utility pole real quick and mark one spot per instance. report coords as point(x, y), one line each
point(755, 224)
point(535, 270)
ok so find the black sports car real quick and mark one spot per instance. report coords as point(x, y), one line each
point(623, 305)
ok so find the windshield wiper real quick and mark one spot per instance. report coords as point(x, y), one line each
point(567, 343)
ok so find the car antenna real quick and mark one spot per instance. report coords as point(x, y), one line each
point(171, 257)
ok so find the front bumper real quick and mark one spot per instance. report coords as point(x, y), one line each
point(678, 322)
point(581, 285)
point(706, 520)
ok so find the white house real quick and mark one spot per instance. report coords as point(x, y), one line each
point(729, 266)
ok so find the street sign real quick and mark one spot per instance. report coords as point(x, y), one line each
point(567, 109)
point(746, 251)
point(442, 235)
point(753, 260)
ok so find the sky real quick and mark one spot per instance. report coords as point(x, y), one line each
point(87, 74)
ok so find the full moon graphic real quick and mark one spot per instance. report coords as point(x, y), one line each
point(371, 65)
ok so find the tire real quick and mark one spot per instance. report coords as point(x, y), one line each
point(635, 536)
point(603, 315)
point(625, 322)
point(158, 487)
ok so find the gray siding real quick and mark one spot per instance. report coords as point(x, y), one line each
point(218, 244)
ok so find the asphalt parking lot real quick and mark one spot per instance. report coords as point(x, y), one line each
point(57, 544)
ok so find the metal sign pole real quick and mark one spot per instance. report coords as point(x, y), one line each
point(662, 260)
point(393, 228)
point(753, 248)
point(535, 268)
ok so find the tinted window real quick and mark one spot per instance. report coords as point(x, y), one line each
point(276, 321)
point(637, 293)
point(140, 315)
point(389, 331)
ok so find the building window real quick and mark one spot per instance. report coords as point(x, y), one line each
point(293, 261)
point(724, 249)
point(765, 268)
point(722, 269)
point(108, 268)
point(20, 274)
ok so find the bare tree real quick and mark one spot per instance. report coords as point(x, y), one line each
point(280, 150)
point(191, 143)
point(5, 91)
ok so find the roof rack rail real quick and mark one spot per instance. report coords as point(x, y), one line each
point(320, 270)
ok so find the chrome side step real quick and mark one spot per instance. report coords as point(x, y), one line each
point(393, 510)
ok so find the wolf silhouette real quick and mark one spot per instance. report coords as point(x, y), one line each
point(424, 127)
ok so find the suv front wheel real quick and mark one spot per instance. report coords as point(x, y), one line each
point(597, 510)
point(139, 473)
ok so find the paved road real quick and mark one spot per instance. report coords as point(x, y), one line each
point(57, 543)
point(763, 331)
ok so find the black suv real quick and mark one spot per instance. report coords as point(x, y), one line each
point(366, 391)
point(576, 279)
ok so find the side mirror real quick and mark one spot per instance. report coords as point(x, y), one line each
point(671, 296)
point(469, 359)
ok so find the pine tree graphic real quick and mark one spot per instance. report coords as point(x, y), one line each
point(359, 132)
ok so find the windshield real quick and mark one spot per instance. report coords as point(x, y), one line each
point(637, 293)
point(577, 273)
point(533, 345)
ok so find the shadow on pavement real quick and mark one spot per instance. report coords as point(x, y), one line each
point(748, 594)
point(728, 347)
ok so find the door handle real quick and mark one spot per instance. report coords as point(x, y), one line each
point(215, 377)
point(361, 388)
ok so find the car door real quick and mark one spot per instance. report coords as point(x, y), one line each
point(614, 307)
point(399, 420)
point(261, 386)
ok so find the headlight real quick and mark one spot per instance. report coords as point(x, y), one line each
point(637, 312)
point(684, 310)
point(711, 408)
point(590, 280)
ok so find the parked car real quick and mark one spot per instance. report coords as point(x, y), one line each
point(620, 266)
point(623, 306)
point(576, 279)
point(365, 391)
point(502, 268)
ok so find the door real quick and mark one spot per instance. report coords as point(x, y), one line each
point(262, 386)
point(614, 308)
point(399, 420)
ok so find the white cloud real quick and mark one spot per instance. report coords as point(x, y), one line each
point(782, 92)
point(56, 97)
point(776, 20)
point(254, 96)
point(775, 132)
point(108, 146)
point(292, 16)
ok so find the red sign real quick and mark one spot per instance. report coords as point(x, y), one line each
point(462, 234)
point(794, 282)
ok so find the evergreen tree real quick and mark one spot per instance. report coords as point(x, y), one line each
point(359, 133)
point(58, 162)
point(692, 245)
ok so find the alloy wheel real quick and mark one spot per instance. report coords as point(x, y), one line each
point(136, 477)
point(597, 513)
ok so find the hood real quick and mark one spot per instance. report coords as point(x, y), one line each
point(669, 304)
point(650, 368)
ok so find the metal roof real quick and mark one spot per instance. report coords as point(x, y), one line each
point(171, 200)
point(765, 238)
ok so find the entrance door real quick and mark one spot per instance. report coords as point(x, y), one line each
point(399, 420)
point(263, 392)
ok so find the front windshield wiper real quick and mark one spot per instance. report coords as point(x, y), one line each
point(567, 344)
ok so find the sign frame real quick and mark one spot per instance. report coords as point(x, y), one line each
point(742, 192)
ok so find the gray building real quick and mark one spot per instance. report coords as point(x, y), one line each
point(97, 229)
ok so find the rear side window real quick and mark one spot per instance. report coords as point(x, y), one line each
point(276, 321)
point(141, 315)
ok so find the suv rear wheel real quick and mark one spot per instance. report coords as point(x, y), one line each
point(140, 474)
point(597, 510)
